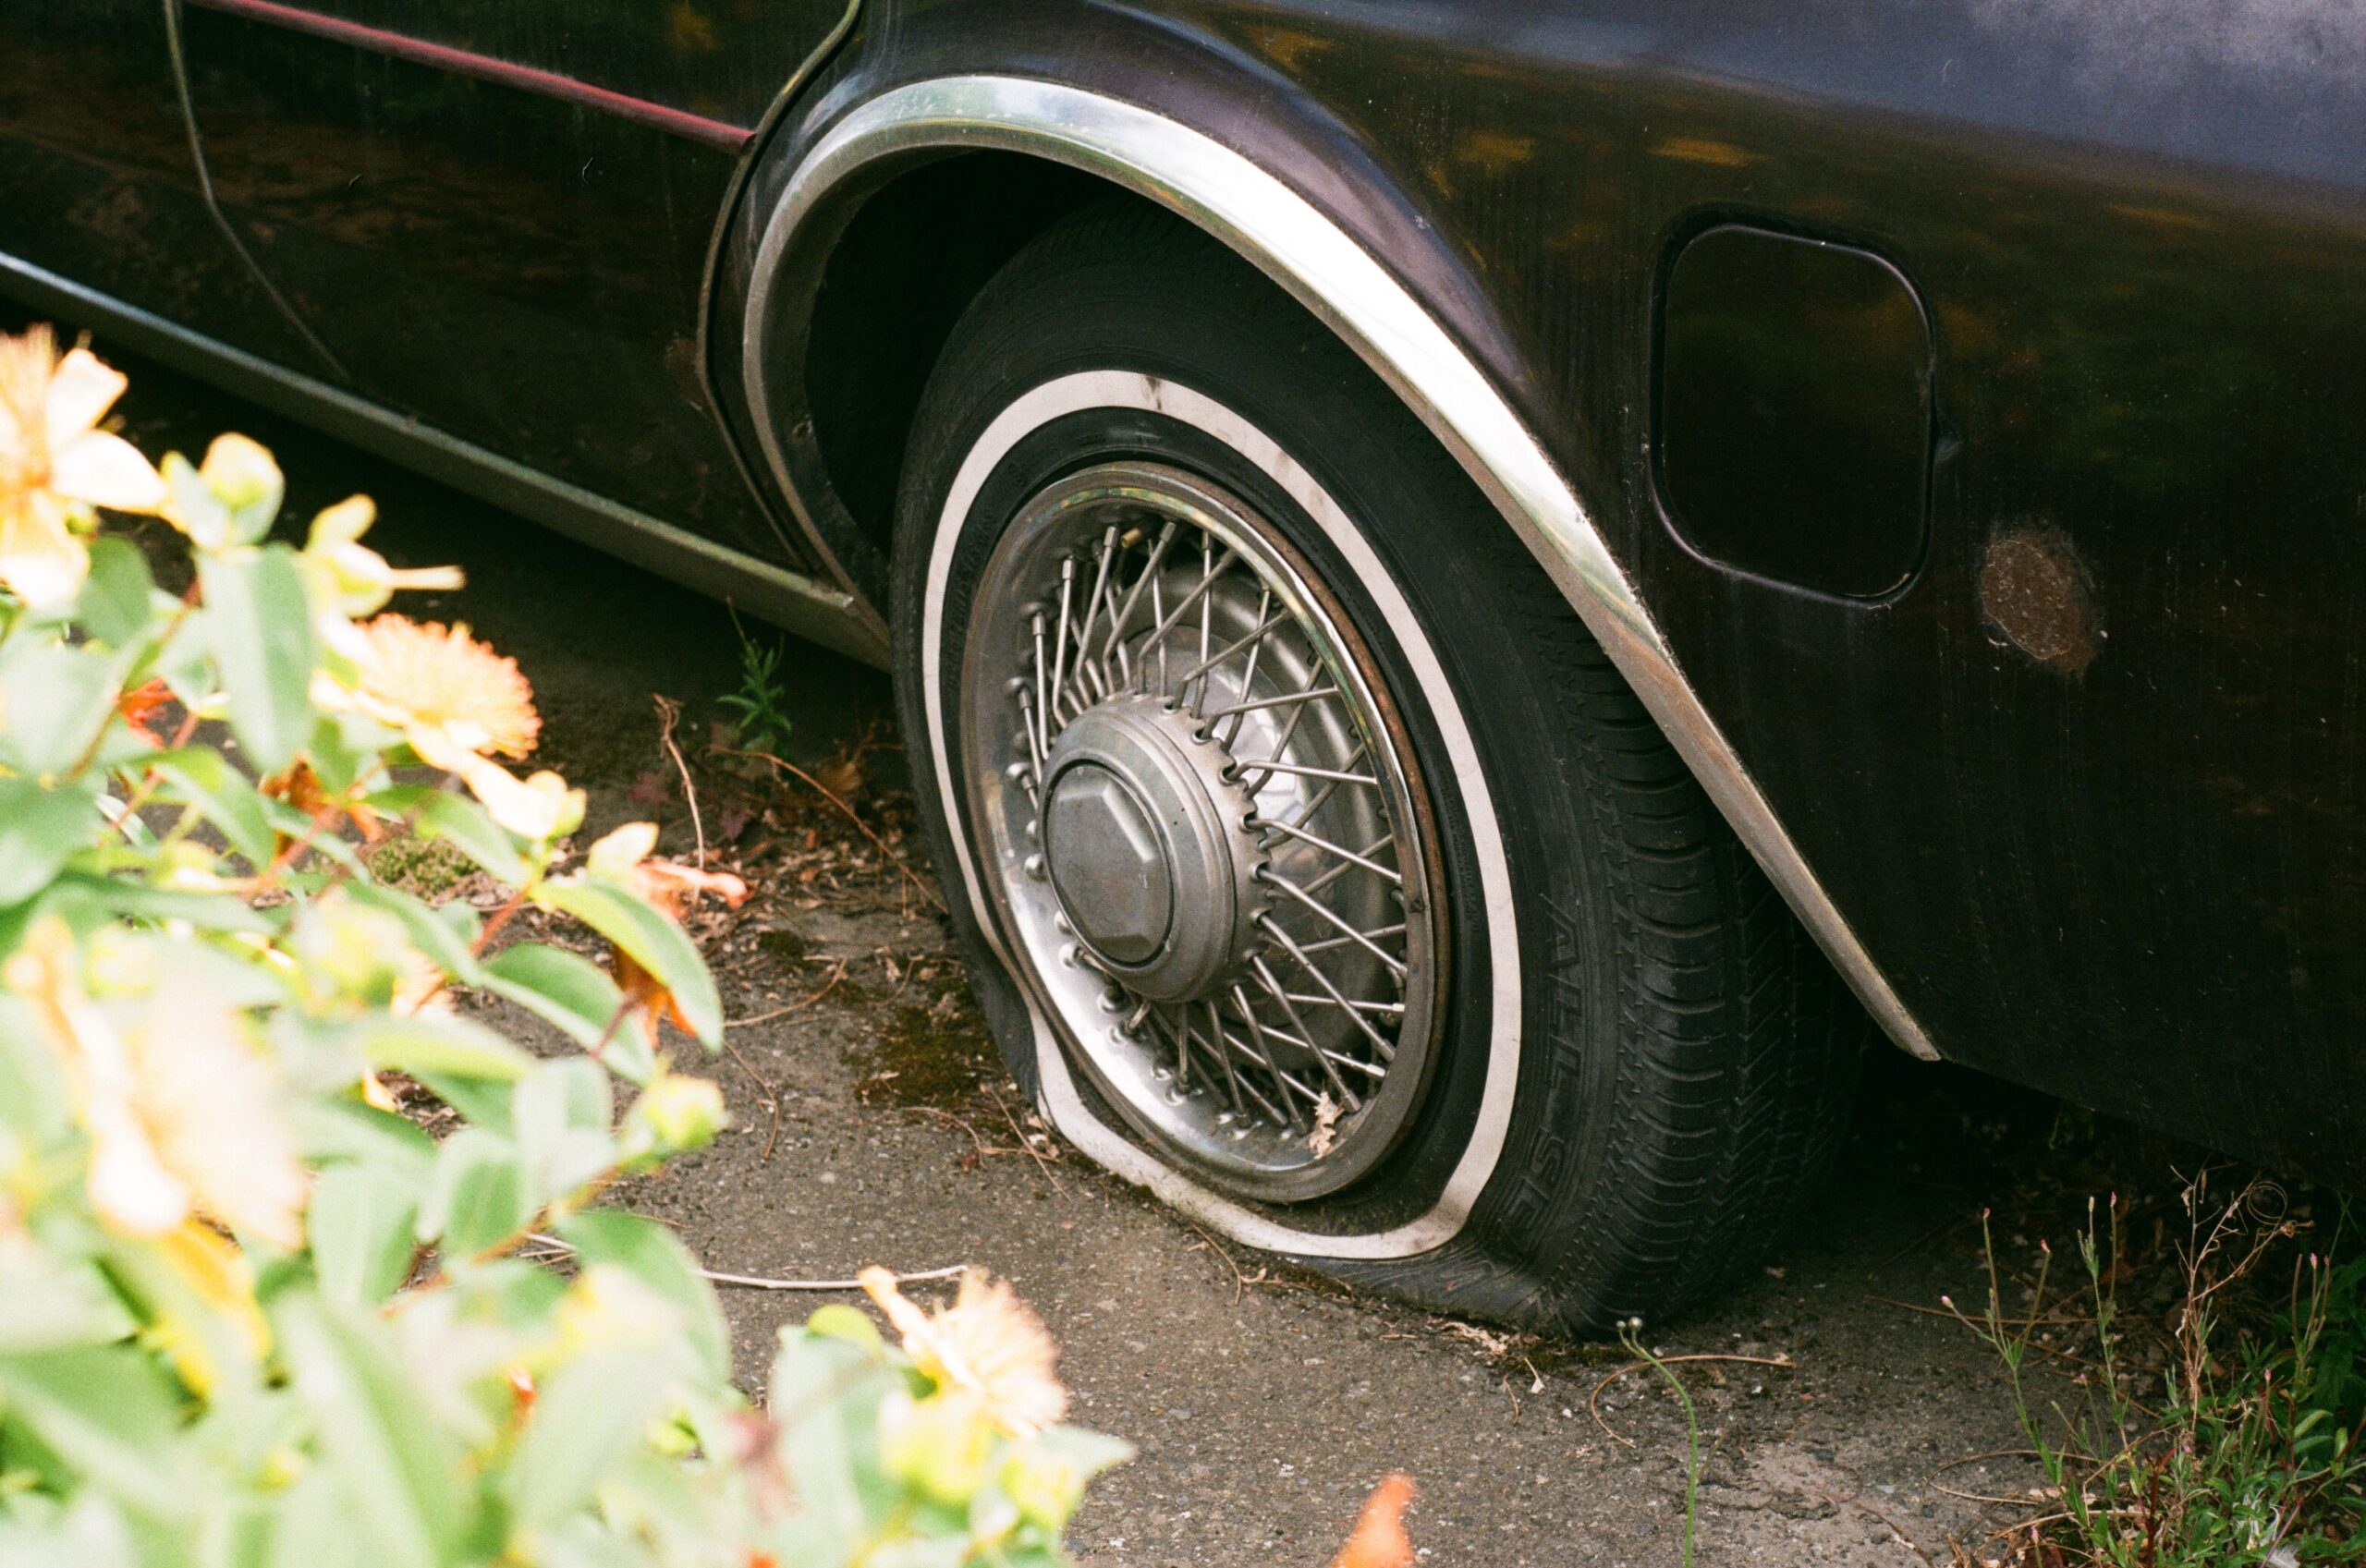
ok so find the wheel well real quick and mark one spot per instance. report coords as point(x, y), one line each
point(908, 264)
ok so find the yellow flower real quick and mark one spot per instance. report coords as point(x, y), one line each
point(676, 1114)
point(56, 465)
point(356, 577)
point(182, 1109)
point(222, 1280)
point(539, 806)
point(238, 474)
point(987, 1347)
point(624, 854)
point(452, 697)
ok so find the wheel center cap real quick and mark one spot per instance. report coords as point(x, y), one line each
point(1144, 842)
point(1108, 864)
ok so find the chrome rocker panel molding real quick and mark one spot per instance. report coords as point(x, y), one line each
point(1326, 270)
point(789, 600)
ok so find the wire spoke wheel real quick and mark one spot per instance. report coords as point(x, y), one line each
point(1208, 827)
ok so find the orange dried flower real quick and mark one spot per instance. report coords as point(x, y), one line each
point(1379, 1541)
point(140, 704)
point(451, 697)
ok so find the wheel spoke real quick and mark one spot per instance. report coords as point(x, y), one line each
point(1330, 1068)
point(1384, 1009)
point(1182, 607)
point(1336, 872)
point(1166, 537)
point(1249, 671)
point(1302, 770)
point(1210, 662)
point(1060, 643)
point(1381, 1042)
point(1333, 943)
point(1350, 855)
point(1233, 709)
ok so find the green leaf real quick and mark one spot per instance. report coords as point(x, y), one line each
point(588, 1421)
point(464, 825)
point(651, 1253)
point(195, 506)
point(203, 779)
point(207, 911)
point(572, 993)
point(429, 932)
point(54, 1305)
point(118, 597)
point(482, 1102)
point(34, 1100)
point(360, 1222)
point(337, 761)
point(310, 1524)
point(477, 1196)
point(58, 697)
point(261, 630)
point(401, 1471)
point(655, 943)
point(825, 1393)
point(840, 1321)
point(424, 1044)
point(560, 1116)
point(39, 829)
point(343, 1129)
point(113, 1415)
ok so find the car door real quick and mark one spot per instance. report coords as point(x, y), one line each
point(495, 214)
point(97, 185)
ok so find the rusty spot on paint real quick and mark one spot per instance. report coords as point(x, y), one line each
point(2032, 589)
point(1706, 149)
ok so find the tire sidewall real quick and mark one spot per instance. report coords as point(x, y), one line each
point(1305, 422)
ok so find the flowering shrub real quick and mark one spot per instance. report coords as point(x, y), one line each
point(250, 1314)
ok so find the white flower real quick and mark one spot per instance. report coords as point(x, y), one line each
point(988, 1347)
point(56, 466)
point(182, 1109)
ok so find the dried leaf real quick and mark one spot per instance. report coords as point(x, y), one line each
point(1379, 1541)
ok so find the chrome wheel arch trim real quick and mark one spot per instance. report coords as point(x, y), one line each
point(1329, 271)
point(1444, 1220)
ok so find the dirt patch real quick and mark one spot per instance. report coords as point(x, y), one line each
point(935, 1053)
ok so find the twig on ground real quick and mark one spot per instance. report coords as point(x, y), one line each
point(1936, 1485)
point(1861, 1506)
point(848, 811)
point(1042, 1162)
point(770, 1093)
point(669, 713)
point(837, 974)
point(1239, 1279)
point(1593, 1400)
point(757, 1281)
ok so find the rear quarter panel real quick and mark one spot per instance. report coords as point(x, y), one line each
point(2101, 833)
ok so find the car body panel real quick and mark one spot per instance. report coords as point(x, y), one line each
point(2083, 788)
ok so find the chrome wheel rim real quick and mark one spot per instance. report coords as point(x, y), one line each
point(1213, 857)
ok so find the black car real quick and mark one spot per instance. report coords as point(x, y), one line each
point(1433, 551)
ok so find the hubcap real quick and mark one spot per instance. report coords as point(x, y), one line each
point(1214, 855)
point(1148, 849)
